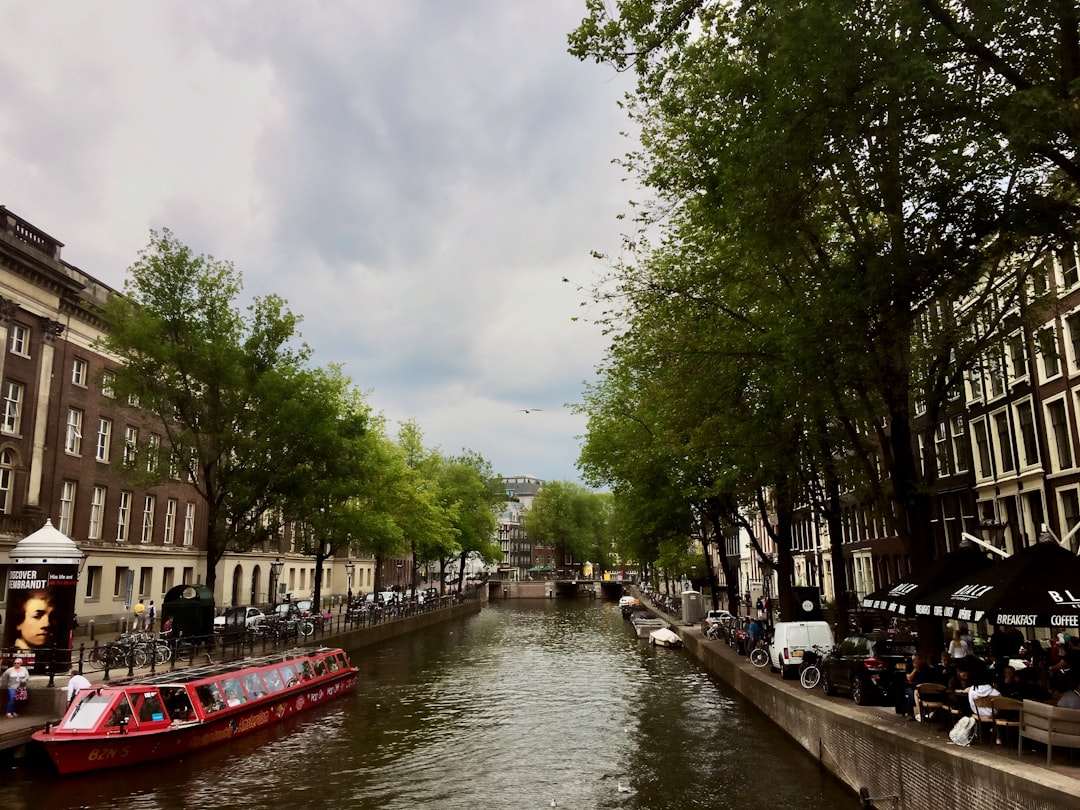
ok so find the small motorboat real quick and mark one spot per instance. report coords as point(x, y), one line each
point(665, 637)
point(645, 623)
point(628, 604)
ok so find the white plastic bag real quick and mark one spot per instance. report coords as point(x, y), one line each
point(964, 731)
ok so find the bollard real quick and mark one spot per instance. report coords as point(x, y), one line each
point(91, 629)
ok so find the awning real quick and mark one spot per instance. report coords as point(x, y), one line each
point(1036, 587)
point(901, 597)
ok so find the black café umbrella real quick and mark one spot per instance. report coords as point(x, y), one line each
point(1036, 587)
point(901, 597)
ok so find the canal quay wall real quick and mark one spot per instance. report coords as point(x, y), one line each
point(902, 765)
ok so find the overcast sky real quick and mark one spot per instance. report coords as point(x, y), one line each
point(415, 177)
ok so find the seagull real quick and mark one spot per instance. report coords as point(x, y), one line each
point(527, 410)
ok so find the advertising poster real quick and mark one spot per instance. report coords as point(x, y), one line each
point(40, 615)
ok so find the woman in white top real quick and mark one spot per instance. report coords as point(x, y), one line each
point(958, 648)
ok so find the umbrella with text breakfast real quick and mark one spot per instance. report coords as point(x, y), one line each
point(1036, 587)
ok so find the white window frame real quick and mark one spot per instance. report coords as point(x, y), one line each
point(7, 472)
point(153, 452)
point(13, 400)
point(171, 506)
point(19, 340)
point(73, 437)
point(104, 439)
point(107, 380)
point(97, 512)
point(79, 371)
point(131, 445)
point(149, 505)
point(123, 517)
point(67, 507)
point(189, 523)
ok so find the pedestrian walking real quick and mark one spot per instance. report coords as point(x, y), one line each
point(15, 679)
point(151, 615)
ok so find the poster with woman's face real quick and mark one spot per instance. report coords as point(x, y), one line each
point(40, 609)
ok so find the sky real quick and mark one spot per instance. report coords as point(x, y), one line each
point(416, 178)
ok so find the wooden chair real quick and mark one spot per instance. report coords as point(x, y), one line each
point(1006, 714)
point(983, 721)
point(1048, 724)
point(931, 700)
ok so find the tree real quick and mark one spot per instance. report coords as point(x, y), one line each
point(213, 380)
point(562, 517)
point(811, 152)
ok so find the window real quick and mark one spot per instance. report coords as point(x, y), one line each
point(19, 340)
point(960, 450)
point(131, 445)
point(120, 583)
point(67, 507)
point(107, 380)
point(146, 580)
point(93, 582)
point(1003, 437)
point(97, 513)
point(1029, 442)
point(1070, 514)
point(941, 449)
point(149, 504)
point(13, 398)
point(79, 371)
point(189, 524)
point(994, 368)
point(1040, 275)
point(123, 514)
point(1048, 353)
point(153, 453)
point(982, 448)
point(170, 520)
point(133, 400)
point(1060, 440)
point(1069, 271)
point(1017, 357)
point(104, 439)
point(7, 467)
point(73, 438)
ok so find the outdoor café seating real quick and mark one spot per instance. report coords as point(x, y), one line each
point(1050, 725)
point(1006, 715)
point(932, 701)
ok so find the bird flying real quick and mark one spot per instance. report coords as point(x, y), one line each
point(527, 410)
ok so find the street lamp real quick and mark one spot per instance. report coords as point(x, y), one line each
point(399, 567)
point(275, 574)
point(348, 575)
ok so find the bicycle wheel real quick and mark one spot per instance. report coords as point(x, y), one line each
point(97, 657)
point(305, 628)
point(759, 657)
point(810, 677)
point(162, 653)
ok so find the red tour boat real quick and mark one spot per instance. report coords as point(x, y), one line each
point(169, 714)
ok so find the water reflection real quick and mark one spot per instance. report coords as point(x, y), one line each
point(528, 703)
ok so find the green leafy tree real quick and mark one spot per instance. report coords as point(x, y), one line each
point(213, 379)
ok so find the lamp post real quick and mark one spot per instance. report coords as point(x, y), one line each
point(399, 567)
point(275, 574)
point(349, 567)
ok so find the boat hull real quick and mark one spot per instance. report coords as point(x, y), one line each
point(77, 754)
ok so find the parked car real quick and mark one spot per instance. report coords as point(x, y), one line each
point(871, 667)
point(791, 639)
point(235, 616)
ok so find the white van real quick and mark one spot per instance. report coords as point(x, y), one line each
point(789, 641)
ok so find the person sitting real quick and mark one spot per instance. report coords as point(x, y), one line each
point(945, 671)
point(982, 689)
point(958, 648)
point(1070, 699)
point(918, 673)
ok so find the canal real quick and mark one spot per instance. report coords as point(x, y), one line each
point(528, 703)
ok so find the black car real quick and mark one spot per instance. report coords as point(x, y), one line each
point(871, 667)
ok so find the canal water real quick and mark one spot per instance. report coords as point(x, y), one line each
point(530, 704)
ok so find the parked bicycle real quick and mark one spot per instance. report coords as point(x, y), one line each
point(809, 672)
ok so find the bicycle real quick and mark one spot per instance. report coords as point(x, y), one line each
point(809, 671)
point(759, 656)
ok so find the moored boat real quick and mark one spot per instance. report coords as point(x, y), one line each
point(665, 637)
point(168, 715)
point(645, 623)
